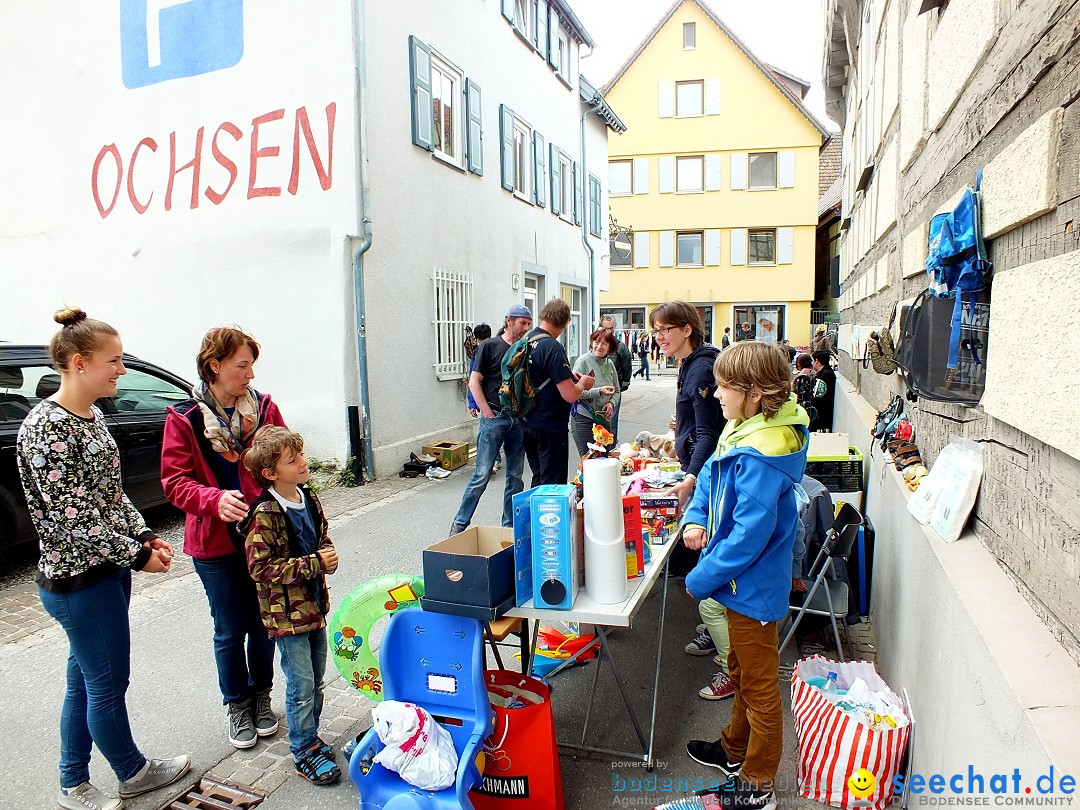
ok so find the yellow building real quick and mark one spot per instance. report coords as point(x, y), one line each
point(717, 176)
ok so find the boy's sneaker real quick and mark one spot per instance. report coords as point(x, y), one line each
point(713, 755)
point(719, 688)
point(242, 732)
point(700, 628)
point(720, 661)
point(86, 797)
point(266, 722)
point(156, 773)
point(737, 794)
point(316, 767)
point(702, 644)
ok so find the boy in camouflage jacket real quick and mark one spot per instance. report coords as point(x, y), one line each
point(288, 554)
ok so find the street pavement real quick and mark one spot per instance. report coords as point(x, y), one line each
point(380, 528)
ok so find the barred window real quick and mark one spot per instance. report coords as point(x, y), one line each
point(453, 294)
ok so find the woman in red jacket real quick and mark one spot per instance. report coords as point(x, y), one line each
point(202, 474)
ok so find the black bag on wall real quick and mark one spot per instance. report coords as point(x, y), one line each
point(922, 351)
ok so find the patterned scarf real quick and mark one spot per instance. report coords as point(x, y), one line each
point(227, 435)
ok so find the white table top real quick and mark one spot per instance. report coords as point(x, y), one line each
point(620, 614)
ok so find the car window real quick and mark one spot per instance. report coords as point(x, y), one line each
point(141, 392)
point(24, 386)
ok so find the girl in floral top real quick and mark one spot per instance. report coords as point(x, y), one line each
point(91, 538)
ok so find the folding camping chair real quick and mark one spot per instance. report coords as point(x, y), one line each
point(829, 597)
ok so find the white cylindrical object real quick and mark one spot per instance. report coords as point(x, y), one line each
point(605, 546)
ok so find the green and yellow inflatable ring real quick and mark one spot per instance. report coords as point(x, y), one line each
point(350, 628)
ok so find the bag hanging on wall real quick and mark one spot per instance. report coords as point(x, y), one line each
point(880, 351)
point(521, 768)
point(837, 737)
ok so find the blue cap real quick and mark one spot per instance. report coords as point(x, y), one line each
point(519, 311)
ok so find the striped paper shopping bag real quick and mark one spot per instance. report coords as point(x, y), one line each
point(834, 745)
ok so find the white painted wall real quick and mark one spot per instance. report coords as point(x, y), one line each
point(989, 684)
point(271, 264)
point(453, 219)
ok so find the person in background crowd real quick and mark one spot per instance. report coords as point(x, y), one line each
point(802, 384)
point(481, 332)
point(624, 364)
point(725, 341)
point(497, 429)
point(643, 343)
point(91, 539)
point(824, 390)
point(786, 345)
point(821, 341)
point(603, 398)
point(202, 475)
point(746, 332)
point(544, 430)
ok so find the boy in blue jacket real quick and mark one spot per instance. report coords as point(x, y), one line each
point(743, 516)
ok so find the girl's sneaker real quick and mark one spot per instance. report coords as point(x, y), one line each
point(86, 797)
point(316, 767)
point(702, 644)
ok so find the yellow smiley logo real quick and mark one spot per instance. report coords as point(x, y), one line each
point(861, 783)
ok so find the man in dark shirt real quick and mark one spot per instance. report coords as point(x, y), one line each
point(824, 390)
point(497, 430)
point(545, 433)
point(624, 365)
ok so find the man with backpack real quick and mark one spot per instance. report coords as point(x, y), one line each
point(498, 429)
point(539, 387)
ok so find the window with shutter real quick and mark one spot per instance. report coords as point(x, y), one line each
point(577, 193)
point(447, 90)
point(689, 98)
point(667, 248)
point(787, 169)
point(763, 170)
point(666, 99)
point(475, 145)
point(712, 172)
point(738, 171)
point(620, 177)
point(524, 165)
point(667, 175)
point(540, 162)
point(506, 149)
point(738, 246)
point(690, 174)
point(595, 213)
point(641, 176)
point(641, 249)
point(712, 247)
point(762, 246)
point(689, 246)
point(556, 180)
point(420, 74)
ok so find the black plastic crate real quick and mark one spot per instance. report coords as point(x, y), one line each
point(838, 483)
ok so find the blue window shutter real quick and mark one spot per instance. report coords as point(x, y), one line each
point(556, 181)
point(553, 39)
point(508, 9)
point(506, 131)
point(541, 33)
point(420, 75)
point(539, 158)
point(577, 194)
point(594, 205)
point(475, 137)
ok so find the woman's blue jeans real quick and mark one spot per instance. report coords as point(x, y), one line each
point(303, 660)
point(98, 670)
point(242, 649)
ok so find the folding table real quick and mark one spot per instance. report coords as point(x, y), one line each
point(586, 611)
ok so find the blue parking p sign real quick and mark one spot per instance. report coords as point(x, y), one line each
point(171, 39)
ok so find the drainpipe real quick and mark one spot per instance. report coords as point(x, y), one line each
point(594, 294)
point(359, 49)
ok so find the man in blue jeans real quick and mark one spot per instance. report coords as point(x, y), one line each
point(497, 430)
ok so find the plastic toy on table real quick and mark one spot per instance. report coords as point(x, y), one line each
point(436, 661)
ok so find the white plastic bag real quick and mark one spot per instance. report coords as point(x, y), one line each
point(945, 497)
point(417, 748)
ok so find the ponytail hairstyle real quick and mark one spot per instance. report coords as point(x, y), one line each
point(78, 334)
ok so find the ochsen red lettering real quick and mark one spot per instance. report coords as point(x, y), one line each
point(266, 151)
point(326, 177)
point(225, 163)
point(195, 165)
point(139, 207)
point(107, 150)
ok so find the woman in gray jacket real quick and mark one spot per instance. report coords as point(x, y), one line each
point(604, 395)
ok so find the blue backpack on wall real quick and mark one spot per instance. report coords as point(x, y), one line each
point(957, 262)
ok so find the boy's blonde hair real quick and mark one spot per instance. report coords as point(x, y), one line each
point(269, 445)
point(751, 364)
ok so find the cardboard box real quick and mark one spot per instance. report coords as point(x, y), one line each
point(555, 554)
point(635, 543)
point(523, 563)
point(659, 517)
point(475, 567)
point(450, 455)
point(484, 614)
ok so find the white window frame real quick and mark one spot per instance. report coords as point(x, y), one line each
point(444, 69)
point(750, 173)
point(563, 44)
point(574, 296)
point(700, 83)
point(612, 187)
point(701, 248)
point(749, 246)
point(691, 28)
point(566, 187)
point(452, 299)
point(524, 162)
point(684, 168)
point(525, 18)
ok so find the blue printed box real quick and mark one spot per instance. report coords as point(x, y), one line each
point(553, 517)
point(523, 563)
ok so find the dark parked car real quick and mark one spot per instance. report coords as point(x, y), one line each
point(135, 417)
